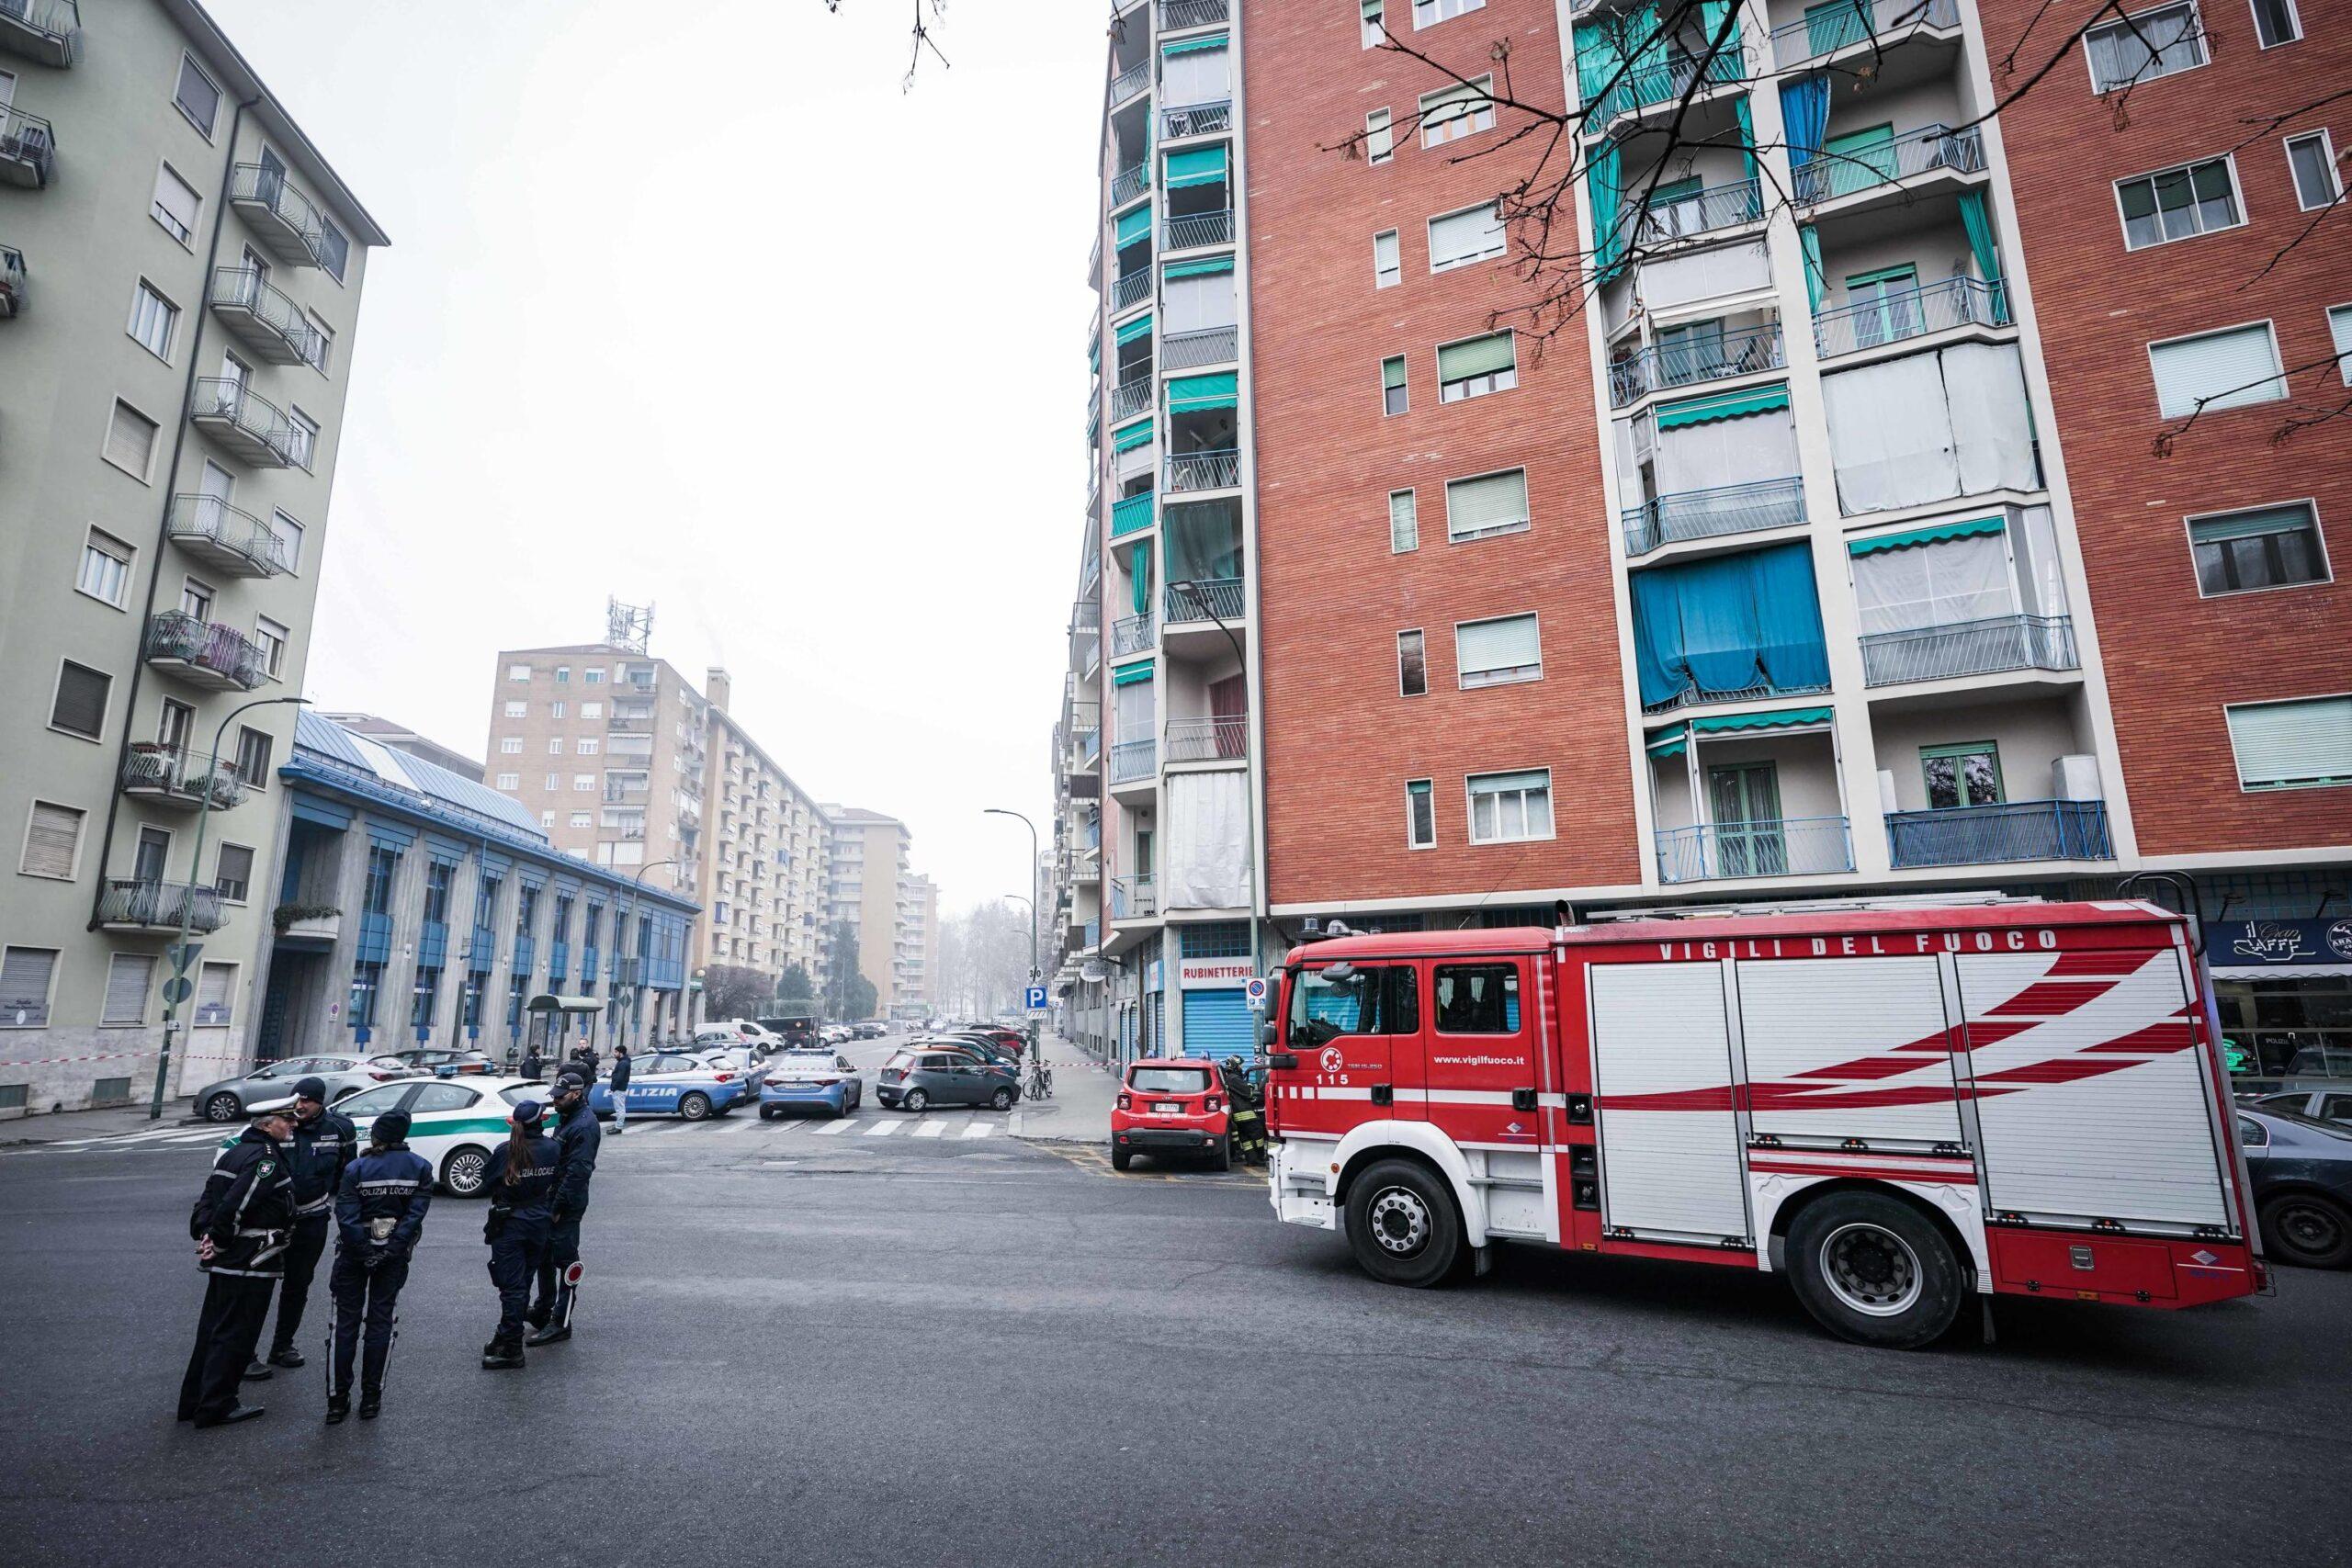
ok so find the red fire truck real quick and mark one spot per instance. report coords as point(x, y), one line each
point(1895, 1108)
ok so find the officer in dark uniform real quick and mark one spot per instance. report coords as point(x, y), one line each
point(1246, 1111)
point(576, 1138)
point(379, 1214)
point(521, 1186)
point(324, 1143)
point(241, 1224)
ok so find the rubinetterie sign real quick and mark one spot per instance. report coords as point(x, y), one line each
point(1213, 973)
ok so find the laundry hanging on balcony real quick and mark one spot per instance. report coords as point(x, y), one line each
point(1196, 394)
point(1130, 330)
point(1133, 436)
point(1928, 427)
point(1133, 226)
point(1715, 628)
point(1197, 166)
point(1944, 576)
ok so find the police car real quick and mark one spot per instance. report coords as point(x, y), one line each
point(807, 1080)
point(456, 1126)
point(676, 1083)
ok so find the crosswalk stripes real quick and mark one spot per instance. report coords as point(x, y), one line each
point(976, 1128)
point(884, 1128)
point(936, 1125)
point(841, 1124)
point(931, 1129)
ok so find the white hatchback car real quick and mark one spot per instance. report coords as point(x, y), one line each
point(456, 1124)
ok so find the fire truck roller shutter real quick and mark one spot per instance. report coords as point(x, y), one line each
point(1669, 1145)
point(1848, 1048)
point(1218, 1025)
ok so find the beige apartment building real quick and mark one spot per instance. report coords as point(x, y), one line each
point(180, 274)
point(870, 870)
point(916, 969)
point(765, 881)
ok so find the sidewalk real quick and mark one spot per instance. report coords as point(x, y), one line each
point(1080, 1111)
point(106, 1123)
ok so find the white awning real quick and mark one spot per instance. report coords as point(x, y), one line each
point(2284, 971)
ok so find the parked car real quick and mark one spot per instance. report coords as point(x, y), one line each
point(344, 1074)
point(744, 1059)
point(444, 1063)
point(1011, 1039)
point(802, 1080)
point(1171, 1106)
point(923, 1075)
point(2319, 1104)
point(987, 1039)
point(741, 1032)
point(676, 1083)
point(984, 1050)
point(2303, 1186)
point(456, 1127)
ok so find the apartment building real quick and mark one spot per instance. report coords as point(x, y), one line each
point(870, 855)
point(180, 276)
point(1784, 567)
point(767, 878)
point(916, 969)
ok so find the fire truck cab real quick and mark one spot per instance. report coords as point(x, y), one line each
point(1896, 1107)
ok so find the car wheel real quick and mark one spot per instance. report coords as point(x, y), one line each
point(224, 1107)
point(1402, 1224)
point(914, 1099)
point(2307, 1230)
point(466, 1171)
point(1001, 1100)
point(1871, 1268)
point(767, 1113)
point(693, 1107)
point(1223, 1159)
point(1120, 1159)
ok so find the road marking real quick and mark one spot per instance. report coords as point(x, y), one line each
point(1020, 1120)
point(843, 1125)
point(118, 1140)
point(975, 1128)
point(738, 1124)
point(932, 1129)
point(884, 1129)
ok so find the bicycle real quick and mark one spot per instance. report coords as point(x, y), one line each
point(1041, 1080)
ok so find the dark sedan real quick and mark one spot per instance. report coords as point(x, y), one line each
point(2302, 1187)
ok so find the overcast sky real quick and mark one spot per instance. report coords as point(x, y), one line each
point(687, 302)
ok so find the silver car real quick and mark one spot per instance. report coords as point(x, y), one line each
point(344, 1074)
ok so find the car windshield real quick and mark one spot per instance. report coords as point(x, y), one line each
point(374, 1101)
point(1169, 1080)
point(516, 1093)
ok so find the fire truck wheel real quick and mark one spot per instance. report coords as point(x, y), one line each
point(1874, 1270)
point(1402, 1224)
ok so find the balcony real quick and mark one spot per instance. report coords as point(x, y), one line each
point(1188, 351)
point(204, 653)
point(28, 150)
point(1932, 148)
point(1713, 514)
point(1795, 846)
point(1191, 230)
point(1217, 737)
point(1129, 399)
point(281, 217)
point(1695, 362)
point(247, 424)
point(1189, 471)
point(1133, 634)
point(1641, 86)
point(1175, 15)
point(1131, 515)
point(13, 285)
point(1832, 28)
point(1134, 759)
point(127, 903)
point(1130, 82)
point(1196, 119)
point(1909, 313)
point(1693, 696)
point(1134, 897)
point(308, 925)
point(1724, 207)
point(1129, 184)
point(1085, 617)
point(226, 537)
point(170, 776)
point(1131, 290)
point(1211, 599)
point(1995, 835)
point(265, 320)
point(48, 32)
point(1990, 646)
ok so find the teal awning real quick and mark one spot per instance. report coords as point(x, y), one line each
point(1133, 436)
point(1722, 405)
point(1134, 226)
point(1782, 718)
point(1201, 166)
point(1131, 515)
point(1669, 743)
point(1188, 394)
point(1192, 45)
point(1130, 330)
point(1131, 675)
point(1197, 268)
point(1926, 535)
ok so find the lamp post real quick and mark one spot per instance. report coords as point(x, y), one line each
point(172, 992)
point(636, 894)
point(1000, 811)
point(1192, 590)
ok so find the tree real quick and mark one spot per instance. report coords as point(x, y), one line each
point(848, 992)
point(731, 990)
point(984, 959)
point(794, 985)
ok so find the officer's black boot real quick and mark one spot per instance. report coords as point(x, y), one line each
point(501, 1354)
point(256, 1372)
point(338, 1406)
point(371, 1400)
point(555, 1333)
point(286, 1356)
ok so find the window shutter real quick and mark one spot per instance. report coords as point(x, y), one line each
point(2248, 525)
point(1492, 500)
point(177, 197)
point(1510, 643)
point(1464, 235)
point(2230, 368)
point(212, 993)
point(2306, 742)
point(50, 841)
point(24, 985)
point(131, 439)
point(1479, 356)
point(1492, 784)
point(81, 705)
point(128, 976)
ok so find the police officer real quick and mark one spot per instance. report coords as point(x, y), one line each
point(379, 1214)
point(241, 1224)
point(576, 1137)
point(324, 1143)
point(522, 1189)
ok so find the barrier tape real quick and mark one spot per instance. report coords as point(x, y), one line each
point(121, 1056)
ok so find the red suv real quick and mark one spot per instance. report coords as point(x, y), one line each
point(1171, 1105)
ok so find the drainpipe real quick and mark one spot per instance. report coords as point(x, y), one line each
point(164, 522)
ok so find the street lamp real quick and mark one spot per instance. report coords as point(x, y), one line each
point(1032, 904)
point(637, 891)
point(1199, 597)
point(173, 992)
point(1000, 811)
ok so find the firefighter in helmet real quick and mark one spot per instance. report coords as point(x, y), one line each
point(1248, 1115)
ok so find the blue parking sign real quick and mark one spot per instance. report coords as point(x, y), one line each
point(1035, 999)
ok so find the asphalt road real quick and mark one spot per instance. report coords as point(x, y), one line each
point(906, 1350)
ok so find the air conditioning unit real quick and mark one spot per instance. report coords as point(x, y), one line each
point(2075, 778)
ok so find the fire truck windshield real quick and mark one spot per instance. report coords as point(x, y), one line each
point(1361, 999)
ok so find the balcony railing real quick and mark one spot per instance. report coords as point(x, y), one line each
point(48, 31)
point(1129, 184)
point(1828, 176)
point(1641, 86)
point(171, 777)
point(1213, 345)
point(1219, 737)
point(1695, 362)
point(27, 149)
point(1711, 513)
point(15, 289)
point(129, 904)
point(1832, 28)
point(1091, 935)
point(234, 540)
point(1909, 313)
point(248, 423)
point(1195, 119)
point(1691, 696)
point(1128, 290)
point(267, 321)
point(205, 653)
point(1794, 846)
point(1176, 14)
point(282, 217)
point(1219, 469)
point(1129, 399)
point(1969, 648)
point(1130, 82)
point(1085, 617)
point(1221, 595)
point(1132, 635)
point(1994, 835)
point(1188, 230)
point(1721, 207)
point(1134, 897)
point(1133, 760)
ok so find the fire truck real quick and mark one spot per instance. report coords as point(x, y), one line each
point(1897, 1108)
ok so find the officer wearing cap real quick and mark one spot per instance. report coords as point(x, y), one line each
point(576, 1138)
point(379, 1207)
point(521, 1188)
point(241, 1224)
point(324, 1144)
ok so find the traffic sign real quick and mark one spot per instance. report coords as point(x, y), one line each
point(1034, 999)
point(1253, 991)
point(182, 955)
point(178, 989)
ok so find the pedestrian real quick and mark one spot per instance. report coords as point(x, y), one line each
point(522, 1194)
point(323, 1146)
point(576, 1138)
point(241, 1224)
point(620, 1090)
point(378, 1214)
point(532, 1065)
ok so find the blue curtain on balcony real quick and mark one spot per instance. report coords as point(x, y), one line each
point(1606, 171)
point(1650, 78)
point(1134, 226)
point(1201, 166)
point(1202, 543)
point(1597, 59)
point(1730, 623)
point(1804, 114)
point(1746, 138)
point(1711, 22)
point(1194, 394)
point(1139, 578)
point(1139, 327)
point(1815, 284)
point(1979, 224)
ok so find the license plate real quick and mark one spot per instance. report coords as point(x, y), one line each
point(1168, 1108)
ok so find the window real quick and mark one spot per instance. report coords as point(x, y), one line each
point(1387, 270)
point(555, 781)
point(592, 710)
point(366, 979)
point(334, 249)
point(1459, 238)
point(2276, 22)
point(2173, 204)
point(52, 840)
point(592, 677)
point(131, 441)
point(563, 674)
point(588, 747)
point(176, 206)
point(131, 976)
point(252, 756)
point(106, 568)
point(233, 871)
point(509, 744)
point(2292, 745)
point(1475, 999)
point(555, 709)
point(2144, 46)
point(24, 976)
point(518, 708)
point(518, 672)
point(1491, 503)
point(581, 819)
point(289, 540)
point(1379, 140)
point(303, 444)
point(1429, 13)
point(1454, 112)
point(555, 745)
point(1370, 1000)
point(1506, 807)
point(321, 343)
point(1495, 652)
point(2312, 159)
point(579, 781)
point(1480, 366)
point(2339, 327)
point(197, 96)
point(1372, 26)
point(1962, 776)
point(272, 638)
point(80, 705)
point(153, 319)
point(510, 781)
point(1404, 522)
point(195, 600)
point(1412, 665)
point(2275, 546)
point(1393, 396)
point(1420, 814)
point(2217, 370)
point(546, 818)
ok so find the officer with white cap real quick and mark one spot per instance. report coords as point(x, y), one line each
point(241, 1224)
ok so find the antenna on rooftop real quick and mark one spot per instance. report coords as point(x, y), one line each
point(628, 625)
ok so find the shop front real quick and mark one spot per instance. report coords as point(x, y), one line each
point(2284, 991)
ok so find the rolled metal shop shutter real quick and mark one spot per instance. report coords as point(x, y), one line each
point(1218, 1025)
point(1160, 1023)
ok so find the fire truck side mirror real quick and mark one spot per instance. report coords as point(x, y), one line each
point(1266, 1033)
